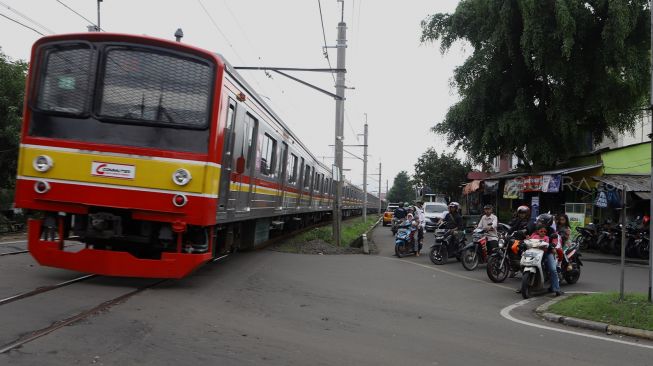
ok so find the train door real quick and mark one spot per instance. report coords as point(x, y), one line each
point(283, 172)
point(227, 200)
point(245, 157)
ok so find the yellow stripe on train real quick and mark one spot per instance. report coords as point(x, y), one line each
point(136, 171)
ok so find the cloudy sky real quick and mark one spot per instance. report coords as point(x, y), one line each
point(403, 86)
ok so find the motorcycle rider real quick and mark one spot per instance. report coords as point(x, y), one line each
point(543, 224)
point(522, 223)
point(454, 221)
point(489, 223)
point(421, 223)
point(400, 212)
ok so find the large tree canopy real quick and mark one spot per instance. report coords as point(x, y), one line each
point(441, 173)
point(401, 190)
point(546, 77)
point(12, 86)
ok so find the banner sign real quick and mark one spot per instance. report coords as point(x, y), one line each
point(512, 188)
point(532, 183)
point(601, 200)
point(551, 183)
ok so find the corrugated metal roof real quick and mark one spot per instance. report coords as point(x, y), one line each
point(633, 182)
point(513, 174)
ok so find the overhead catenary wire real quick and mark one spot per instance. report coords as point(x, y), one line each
point(326, 50)
point(79, 15)
point(21, 24)
point(39, 25)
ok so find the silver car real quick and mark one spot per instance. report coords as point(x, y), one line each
point(434, 212)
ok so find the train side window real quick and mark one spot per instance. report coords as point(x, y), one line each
point(283, 163)
point(268, 155)
point(251, 127)
point(231, 115)
point(307, 177)
point(301, 173)
point(292, 168)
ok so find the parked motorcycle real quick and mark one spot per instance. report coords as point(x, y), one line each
point(587, 237)
point(405, 239)
point(445, 245)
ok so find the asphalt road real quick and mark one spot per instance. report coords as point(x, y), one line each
point(273, 308)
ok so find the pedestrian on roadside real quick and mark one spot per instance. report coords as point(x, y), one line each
point(421, 224)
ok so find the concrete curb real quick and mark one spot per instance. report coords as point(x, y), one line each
point(366, 247)
point(543, 312)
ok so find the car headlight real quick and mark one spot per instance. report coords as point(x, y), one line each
point(181, 177)
point(42, 163)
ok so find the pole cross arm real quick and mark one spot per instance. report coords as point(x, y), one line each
point(279, 70)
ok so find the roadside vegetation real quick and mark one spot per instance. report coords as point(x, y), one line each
point(634, 312)
point(320, 240)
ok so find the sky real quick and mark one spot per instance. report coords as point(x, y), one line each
point(403, 87)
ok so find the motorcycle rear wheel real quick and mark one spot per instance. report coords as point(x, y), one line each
point(573, 276)
point(526, 285)
point(497, 269)
point(642, 250)
point(470, 259)
point(439, 255)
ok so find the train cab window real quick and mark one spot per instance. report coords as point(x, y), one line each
point(66, 74)
point(292, 168)
point(268, 155)
point(144, 86)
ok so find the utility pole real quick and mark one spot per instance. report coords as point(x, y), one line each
point(98, 16)
point(341, 47)
point(365, 172)
point(650, 234)
point(386, 194)
point(624, 194)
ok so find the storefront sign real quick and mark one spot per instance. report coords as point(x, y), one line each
point(532, 183)
point(551, 183)
point(535, 206)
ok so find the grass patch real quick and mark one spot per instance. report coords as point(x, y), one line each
point(351, 230)
point(635, 311)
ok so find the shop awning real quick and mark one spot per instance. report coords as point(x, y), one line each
point(575, 169)
point(632, 182)
point(646, 196)
point(471, 187)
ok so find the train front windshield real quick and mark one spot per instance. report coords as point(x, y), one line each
point(123, 95)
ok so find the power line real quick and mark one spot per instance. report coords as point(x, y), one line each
point(326, 52)
point(79, 15)
point(215, 24)
point(27, 18)
point(24, 25)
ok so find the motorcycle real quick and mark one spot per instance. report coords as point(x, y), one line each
point(395, 225)
point(571, 263)
point(445, 245)
point(534, 274)
point(503, 260)
point(477, 251)
point(587, 237)
point(405, 240)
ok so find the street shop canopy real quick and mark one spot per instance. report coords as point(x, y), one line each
point(547, 182)
point(471, 187)
point(632, 182)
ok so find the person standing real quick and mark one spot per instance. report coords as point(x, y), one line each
point(421, 223)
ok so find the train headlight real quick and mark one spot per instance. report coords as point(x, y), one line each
point(181, 177)
point(42, 163)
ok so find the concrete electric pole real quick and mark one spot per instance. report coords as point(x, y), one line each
point(98, 16)
point(365, 172)
point(341, 47)
point(650, 252)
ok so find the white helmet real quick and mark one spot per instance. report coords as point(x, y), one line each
point(455, 205)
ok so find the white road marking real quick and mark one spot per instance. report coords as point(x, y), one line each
point(432, 268)
point(505, 312)
point(13, 242)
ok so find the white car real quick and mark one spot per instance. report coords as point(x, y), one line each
point(434, 212)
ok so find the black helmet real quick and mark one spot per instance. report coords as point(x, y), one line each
point(545, 220)
point(401, 204)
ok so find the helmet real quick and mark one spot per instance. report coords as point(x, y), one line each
point(455, 205)
point(523, 209)
point(406, 204)
point(544, 220)
point(401, 204)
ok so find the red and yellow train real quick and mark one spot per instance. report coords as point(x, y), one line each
point(158, 157)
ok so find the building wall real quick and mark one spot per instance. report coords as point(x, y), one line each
point(638, 135)
point(634, 159)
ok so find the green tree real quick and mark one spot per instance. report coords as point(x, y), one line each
point(402, 189)
point(12, 90)
point(441, 173)
point(546, 77)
